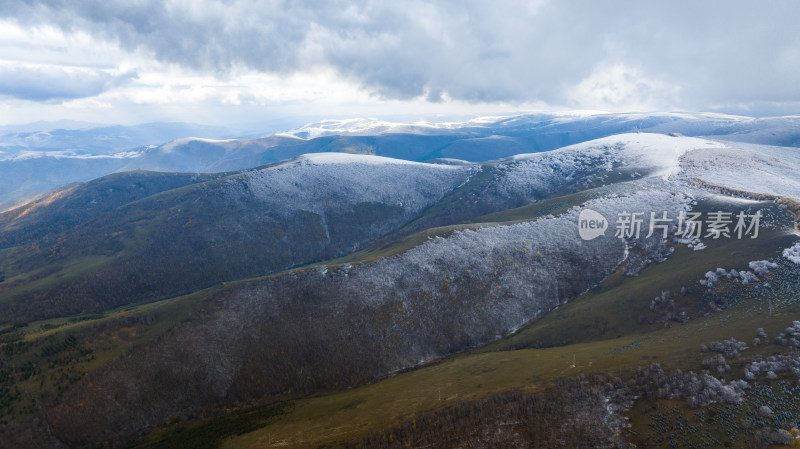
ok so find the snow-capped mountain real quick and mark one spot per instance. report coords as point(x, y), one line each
point(517, 123)
point(32, 163)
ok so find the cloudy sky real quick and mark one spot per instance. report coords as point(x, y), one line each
point(228, 61)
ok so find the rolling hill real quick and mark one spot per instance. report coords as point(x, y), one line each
point(333, 278)
point(32, 163)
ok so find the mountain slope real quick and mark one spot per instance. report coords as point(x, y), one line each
point(65, 208)
point(163, 235)
point(201, 233)
point(421, 293)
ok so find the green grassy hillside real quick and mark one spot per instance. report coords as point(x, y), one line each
point(601, 331)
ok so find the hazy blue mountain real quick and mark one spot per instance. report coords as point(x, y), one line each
point(101, 139)
point(35, 162)
point(46, 125)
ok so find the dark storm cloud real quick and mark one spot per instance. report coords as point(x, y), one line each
point(713, 52)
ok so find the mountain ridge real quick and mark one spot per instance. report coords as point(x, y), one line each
point(478, 140)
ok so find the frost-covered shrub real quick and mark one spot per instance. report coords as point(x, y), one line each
point(748, 277)
point(711, 279)
point(665, 300)
point(731, 347)
point(698, 390)
point(772, 365)
point(761, 267)
point(793, 253)
point(721, 276)
point(719, 362)
point(714, 278)
point(664, 309)
point(791, 337)
point(768, 437)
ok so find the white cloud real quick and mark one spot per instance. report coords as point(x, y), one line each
point(616, 87)
point(270, 57)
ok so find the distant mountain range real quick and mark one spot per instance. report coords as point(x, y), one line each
point(89, 139)
point(34, 162)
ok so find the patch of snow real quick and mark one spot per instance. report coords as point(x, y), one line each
point(755, 169)
point(373, 126)
point(170, 146)
point(658, 154)
point(449, 161)
point(349, 158)
point(540, 246)
point(732, 200)
point(337, 181)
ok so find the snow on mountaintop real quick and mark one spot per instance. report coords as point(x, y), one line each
point(756, 169)
point(340, 181)
point(373, 126)
point(633, 116)
point(536, 176)
point(657, 154)
point(168, 147)
point(750, 168)
point(350, 158)
point(334, 158)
